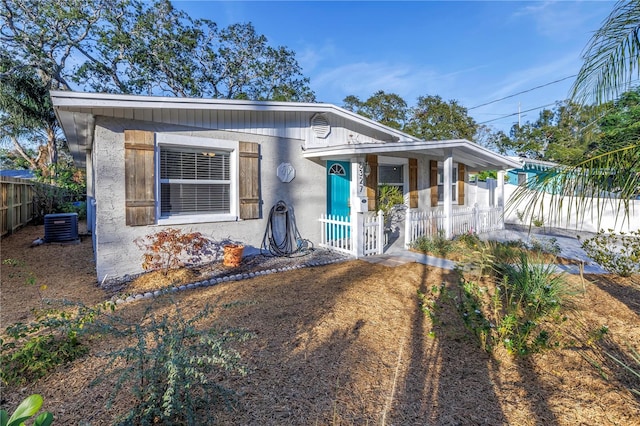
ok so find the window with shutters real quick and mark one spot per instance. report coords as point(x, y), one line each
point(197, 179)
point(194, 181)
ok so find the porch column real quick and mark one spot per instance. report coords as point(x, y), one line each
point(447, 171)
point(501, 200)
point(356, 217)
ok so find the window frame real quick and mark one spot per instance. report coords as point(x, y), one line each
point(384, 161)
point(169, 140)
point(454, 183)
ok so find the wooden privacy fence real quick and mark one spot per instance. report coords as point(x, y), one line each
point(17, 207)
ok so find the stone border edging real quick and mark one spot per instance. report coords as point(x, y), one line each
point(214, 281)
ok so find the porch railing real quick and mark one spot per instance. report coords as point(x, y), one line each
point(429, 223)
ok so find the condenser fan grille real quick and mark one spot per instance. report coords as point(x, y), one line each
point(60, 227)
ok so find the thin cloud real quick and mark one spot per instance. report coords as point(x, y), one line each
point(561, 20)
point(365, 78)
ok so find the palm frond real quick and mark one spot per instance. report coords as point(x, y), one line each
point(612, 57)
point(607, 180)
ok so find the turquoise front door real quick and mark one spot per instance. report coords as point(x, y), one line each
point(338, 180)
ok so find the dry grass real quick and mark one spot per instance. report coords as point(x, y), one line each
point(347, 344)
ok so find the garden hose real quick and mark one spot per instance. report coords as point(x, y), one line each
point(282, 238)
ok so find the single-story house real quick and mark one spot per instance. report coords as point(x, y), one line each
point(528, 169)
point(218, 166)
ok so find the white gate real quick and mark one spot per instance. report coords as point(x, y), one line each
point(337, 233)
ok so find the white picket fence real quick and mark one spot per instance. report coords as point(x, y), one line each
point(429, 223)
point(374, 238)
point(337, 233)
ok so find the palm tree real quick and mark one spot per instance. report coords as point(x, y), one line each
point(612, 177)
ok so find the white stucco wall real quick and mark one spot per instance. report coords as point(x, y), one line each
point(116, 252)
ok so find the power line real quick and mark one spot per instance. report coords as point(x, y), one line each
point(516, 113)
point(524, 91)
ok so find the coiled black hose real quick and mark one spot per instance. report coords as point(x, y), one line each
point(290, 242)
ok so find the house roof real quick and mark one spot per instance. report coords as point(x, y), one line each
point(76, 112)
point(531, 164)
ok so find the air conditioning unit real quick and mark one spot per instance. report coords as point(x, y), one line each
point(60, 227)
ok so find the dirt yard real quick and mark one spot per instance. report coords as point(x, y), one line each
point(346, 344)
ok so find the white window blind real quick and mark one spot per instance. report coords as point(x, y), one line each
point(194, 181)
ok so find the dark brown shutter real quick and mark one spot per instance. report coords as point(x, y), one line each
point(461, 184)
point(433, 181)
point(249, 185)
point(413, 183)
point(372, 182)
point(139, 177)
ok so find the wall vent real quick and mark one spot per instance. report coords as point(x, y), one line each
point(60, 227)
point(320, 125)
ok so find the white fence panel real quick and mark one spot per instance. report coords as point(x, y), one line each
point(335, 233)
point(431, 223)
point(423, 223)
point(373, 232)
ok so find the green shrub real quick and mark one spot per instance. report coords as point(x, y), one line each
point(172, 368)
point(545, 245)
point(511, 313)
point(618, 253)
point(530, 291)
point(79, 207)
point(437, 245)
point(33, 350)
point(27, 409)
point(469, 240)
point(505, 252)
point(388, 198)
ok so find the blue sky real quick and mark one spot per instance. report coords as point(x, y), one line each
point(470, 51)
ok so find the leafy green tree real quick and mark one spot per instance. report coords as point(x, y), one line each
point(385, 108)
point(560, 134)
point(620, 123)
point(435, 119)
point(26, 113)
point(610, 175)
point(126, 46)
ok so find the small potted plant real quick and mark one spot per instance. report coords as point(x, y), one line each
point(233, 255)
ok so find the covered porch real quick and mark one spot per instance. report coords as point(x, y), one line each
point(433, 178)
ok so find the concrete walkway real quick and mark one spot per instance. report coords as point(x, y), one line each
point(570, 248)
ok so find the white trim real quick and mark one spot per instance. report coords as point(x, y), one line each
point(460, 146)
point(78, 101)
point(397, 161)
point(181, 141)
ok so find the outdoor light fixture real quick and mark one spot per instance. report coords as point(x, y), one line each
point(367, 169)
